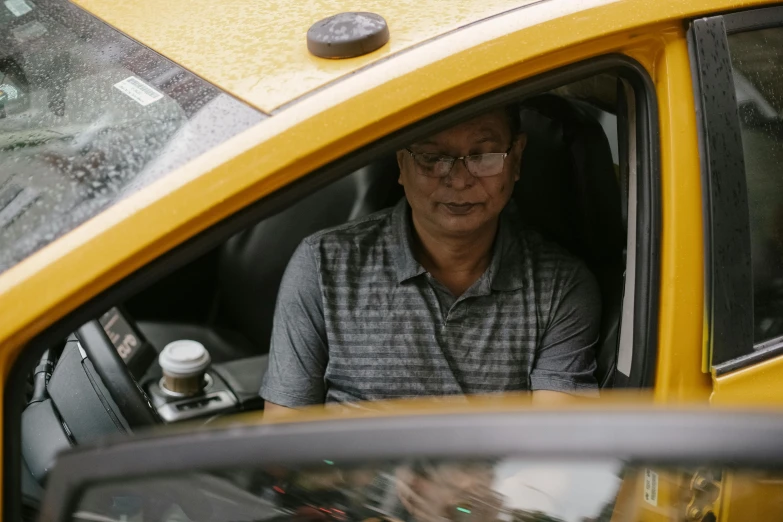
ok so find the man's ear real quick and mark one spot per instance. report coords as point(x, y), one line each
point(522, 139)
point(400, 163)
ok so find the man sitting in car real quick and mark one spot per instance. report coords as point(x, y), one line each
point(445, 293)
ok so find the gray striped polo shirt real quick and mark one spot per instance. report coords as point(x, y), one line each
point(358, 318)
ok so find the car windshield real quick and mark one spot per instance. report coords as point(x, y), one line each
point(88, 116)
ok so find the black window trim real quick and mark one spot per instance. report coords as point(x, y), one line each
point(729, 347)
point(645, 335)
point(753, 20)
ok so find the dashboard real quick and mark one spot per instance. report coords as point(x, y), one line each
point(74, 401)
point(131, 346)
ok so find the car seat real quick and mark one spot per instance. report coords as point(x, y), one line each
point(569, 191)
point(250, 267)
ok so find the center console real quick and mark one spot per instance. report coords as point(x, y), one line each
point(214, 398)
point(203, 390)
point(181, 381)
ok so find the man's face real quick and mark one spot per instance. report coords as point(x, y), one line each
point(460, 203)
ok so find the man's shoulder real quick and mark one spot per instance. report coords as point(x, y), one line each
point(551, 262)
point(364, 230)
point(533, 245)
point(542, 249)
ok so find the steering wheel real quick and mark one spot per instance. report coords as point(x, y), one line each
point(127, 394)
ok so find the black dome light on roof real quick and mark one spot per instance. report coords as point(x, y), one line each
point(346, 35)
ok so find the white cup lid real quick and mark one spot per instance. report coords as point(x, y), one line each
point(184, 358)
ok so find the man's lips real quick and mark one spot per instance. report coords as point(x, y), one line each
point(459, 208)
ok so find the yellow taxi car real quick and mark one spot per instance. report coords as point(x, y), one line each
point(159, 163)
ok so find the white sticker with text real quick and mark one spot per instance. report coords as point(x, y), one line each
point(651, 487)
point(18, 7)
point(139, 91)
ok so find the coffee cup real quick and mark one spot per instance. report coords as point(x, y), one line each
point(184, 364)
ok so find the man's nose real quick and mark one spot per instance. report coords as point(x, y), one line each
point(459, 178)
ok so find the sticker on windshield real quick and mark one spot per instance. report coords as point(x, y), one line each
point(18, 7)
point(651, 487)
point(142, 93)
point(29, 31)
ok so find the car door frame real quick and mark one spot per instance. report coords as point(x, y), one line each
point(728, 269)
point(648, 227)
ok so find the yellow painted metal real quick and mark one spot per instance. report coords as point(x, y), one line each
point(666, 505)
point(751, 495)
point(337, 120)
point(615, 400)
point(679, 373)
point(737, 495)
point(256, 49)
point(758, 383)
point(611, 400)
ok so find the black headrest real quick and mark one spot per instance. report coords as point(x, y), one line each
point(568, 190)
point(568, 187)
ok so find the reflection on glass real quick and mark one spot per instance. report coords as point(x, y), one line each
point(428, 490)
point(88, 116)
point(757, 61)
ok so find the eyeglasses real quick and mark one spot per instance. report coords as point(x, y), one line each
point(479, 165)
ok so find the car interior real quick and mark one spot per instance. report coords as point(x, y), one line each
point(105, 378)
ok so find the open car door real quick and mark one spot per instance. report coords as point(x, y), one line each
point(517, 466)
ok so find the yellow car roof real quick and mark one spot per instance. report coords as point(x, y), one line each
point(257, 49)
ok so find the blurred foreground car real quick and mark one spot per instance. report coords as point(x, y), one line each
point(159, 163)
point(503, 463)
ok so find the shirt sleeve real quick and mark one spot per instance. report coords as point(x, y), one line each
point(565, 359)
point(299, 352)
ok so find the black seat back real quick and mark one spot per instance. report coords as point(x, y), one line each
point(252, 262)
point(568, 190)
point(383, 189)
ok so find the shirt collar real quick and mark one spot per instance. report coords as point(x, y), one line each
point(402, 228)
point(508, 263)
point(505, 272)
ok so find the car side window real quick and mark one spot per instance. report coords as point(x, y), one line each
point(757, 63)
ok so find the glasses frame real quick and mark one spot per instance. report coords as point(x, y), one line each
point(463, 159)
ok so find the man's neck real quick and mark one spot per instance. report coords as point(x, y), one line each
point(456, 261)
